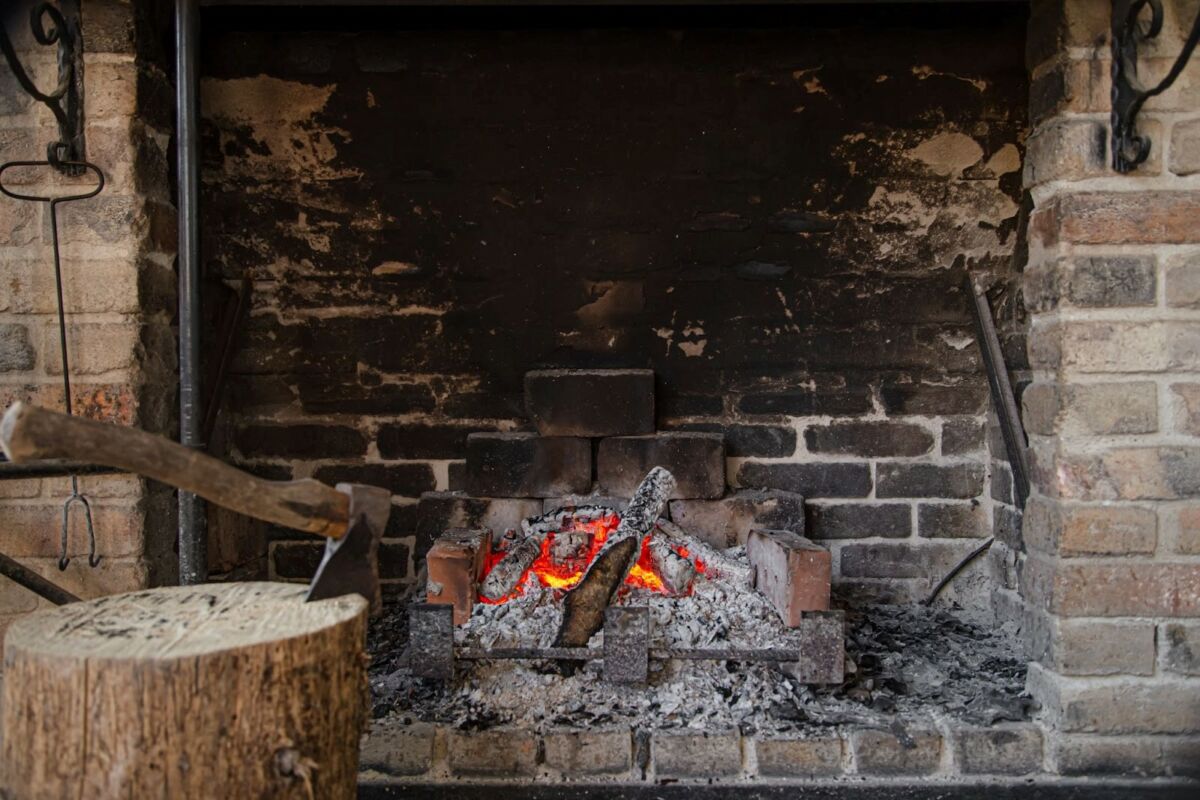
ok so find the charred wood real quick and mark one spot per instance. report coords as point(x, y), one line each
point(583, 611)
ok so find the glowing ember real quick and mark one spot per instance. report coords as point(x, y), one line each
point(566, 573)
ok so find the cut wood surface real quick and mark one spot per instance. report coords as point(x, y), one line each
point(29, 432)
point(216, 691)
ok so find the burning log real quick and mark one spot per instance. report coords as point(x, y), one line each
point(563, 518)
point(507, 573)
point(583, 611)
point(675, 570)
point(716, 563)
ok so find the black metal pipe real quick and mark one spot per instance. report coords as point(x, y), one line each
point(35, 583)
point(51, 468)
point(193, 534)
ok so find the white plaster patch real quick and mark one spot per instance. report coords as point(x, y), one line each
point(948, 154)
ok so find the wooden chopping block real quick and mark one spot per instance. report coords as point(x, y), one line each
point(216, 691)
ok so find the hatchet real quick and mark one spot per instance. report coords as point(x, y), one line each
point(352, 516)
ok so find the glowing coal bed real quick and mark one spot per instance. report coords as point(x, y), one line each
point(566, 554)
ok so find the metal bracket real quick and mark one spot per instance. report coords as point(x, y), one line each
point(1129, 149)
point(57, 26)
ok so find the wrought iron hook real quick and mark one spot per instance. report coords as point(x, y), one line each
point(65, 100)
point(1129, 148)
point(72, 167)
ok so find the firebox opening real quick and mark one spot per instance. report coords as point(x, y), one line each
point(507, 269)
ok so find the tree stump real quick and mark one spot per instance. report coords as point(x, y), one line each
point(222, 690)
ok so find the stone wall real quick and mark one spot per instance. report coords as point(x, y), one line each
point(117, 253)
point(1108, 570)
point(776, 219)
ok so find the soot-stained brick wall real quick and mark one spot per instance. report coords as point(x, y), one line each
point(777, 220)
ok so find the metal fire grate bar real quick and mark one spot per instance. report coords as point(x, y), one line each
point(819, 659)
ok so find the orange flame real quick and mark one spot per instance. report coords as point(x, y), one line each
point(565, 574)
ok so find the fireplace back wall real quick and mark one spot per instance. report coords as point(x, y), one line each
point(775, 218)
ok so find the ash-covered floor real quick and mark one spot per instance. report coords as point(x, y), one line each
point(904, 664)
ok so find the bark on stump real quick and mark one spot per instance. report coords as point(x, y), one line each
point(222, 690)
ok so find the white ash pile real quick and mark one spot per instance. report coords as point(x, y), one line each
point(903, 661)
point(718, 612)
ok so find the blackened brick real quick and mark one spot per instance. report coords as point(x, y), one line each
point(456, 476)
point(671, 405)
point(869, 439)
point(438, 512)
point(810, 480)
point(697, 460)
point(748, 441)
point(422, 441)
point(1001, 483)
point(527, 465)
point(802, 404)
point(301, 441)
point(727, 522)
point(1104, 281)
point(485, 405)
point(351, 397)
point(901, 560)
point(602, 402)
point(393, 559)
point(859, 520)
point(402, 522)
point(958, 481)
point(297, 560)
point(1007, 527)
point(933, 399)
point(406, 480)
point(950, 520)
point(962, 435)
point(16, 351)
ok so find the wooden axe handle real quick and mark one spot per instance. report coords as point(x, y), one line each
point(28, 432)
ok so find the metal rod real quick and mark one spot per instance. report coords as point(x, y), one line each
point(597, 654)
point(50, 468)
point(233, 317)
point(1002, 394)
point(34, 582)
point(193, 534)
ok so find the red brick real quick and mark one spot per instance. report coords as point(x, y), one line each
point(455, 563)
point(1126, 589)
point(1158, 217)
point(1187, 531)
point(791, 572)
point(34, 530)
point(1071, 529)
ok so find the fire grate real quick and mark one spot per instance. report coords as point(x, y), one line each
point(627, 648)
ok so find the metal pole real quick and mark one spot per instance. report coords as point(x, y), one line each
point(193, 534)
point(35, 583)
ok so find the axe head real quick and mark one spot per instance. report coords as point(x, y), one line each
point(351, 564)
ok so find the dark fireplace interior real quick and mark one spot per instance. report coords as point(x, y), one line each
point(772, 213)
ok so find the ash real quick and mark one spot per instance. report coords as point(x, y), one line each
point(902, 661)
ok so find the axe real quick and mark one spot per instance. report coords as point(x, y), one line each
point(352, 516)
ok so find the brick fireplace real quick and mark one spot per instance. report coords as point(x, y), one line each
point(768, 214)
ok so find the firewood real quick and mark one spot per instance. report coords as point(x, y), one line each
point(583, 609)
point(221, 690)
point(675, 570)
point(507, 572)
point(561, 518)
point(716, 563)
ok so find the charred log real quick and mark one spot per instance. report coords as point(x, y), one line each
point(716, 563)
point(507, 573)
point(675, 570)
point(583, 611)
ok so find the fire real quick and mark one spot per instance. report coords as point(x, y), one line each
point(563, 575)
